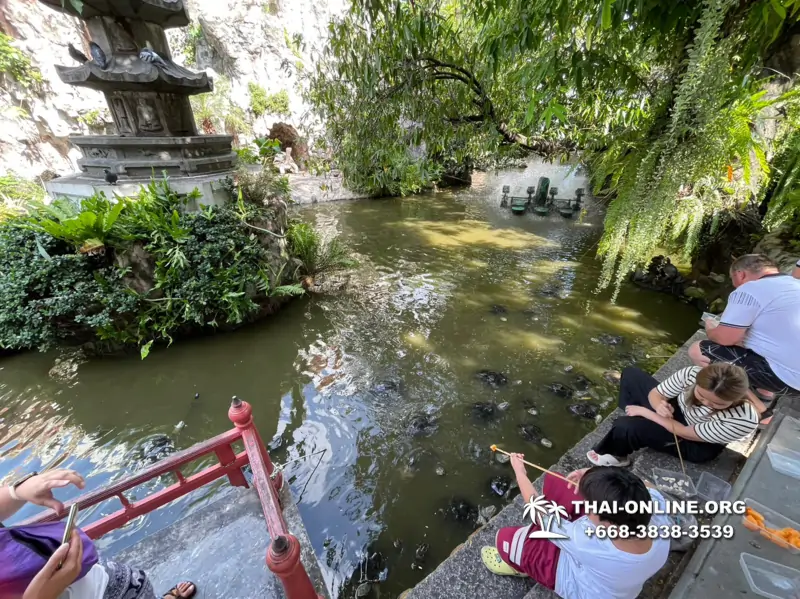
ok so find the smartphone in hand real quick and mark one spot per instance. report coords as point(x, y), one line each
point(72, 519)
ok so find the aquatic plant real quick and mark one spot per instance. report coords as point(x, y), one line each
point(317, 255)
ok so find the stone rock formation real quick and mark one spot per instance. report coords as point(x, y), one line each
point(290, 138)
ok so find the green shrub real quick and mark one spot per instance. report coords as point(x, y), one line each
point(50, 295)
point(247, 155)
point(263, 103)
point(15, 64)
point(205, 269)
point(317, 256)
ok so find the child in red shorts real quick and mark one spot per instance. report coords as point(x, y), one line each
point(574, 564)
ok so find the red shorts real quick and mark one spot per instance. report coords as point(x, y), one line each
point(538, 558)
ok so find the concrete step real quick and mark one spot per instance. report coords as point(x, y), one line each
point(222, 548)
point(463, 574)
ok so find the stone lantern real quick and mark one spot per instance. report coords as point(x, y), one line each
point(149, 102)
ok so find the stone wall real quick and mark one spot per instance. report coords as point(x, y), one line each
point(773, 246)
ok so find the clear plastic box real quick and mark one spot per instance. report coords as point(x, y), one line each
point(784, 460)
point(772, 519)
point(675, 483)
point(770, 579)
point(712, 488)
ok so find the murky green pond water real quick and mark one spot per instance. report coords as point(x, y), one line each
point(381, 377)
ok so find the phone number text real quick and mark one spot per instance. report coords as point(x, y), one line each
point(697, 531)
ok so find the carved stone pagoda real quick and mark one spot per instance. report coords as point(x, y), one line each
point(148, 100)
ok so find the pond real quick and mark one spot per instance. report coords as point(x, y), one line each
point(378, 383)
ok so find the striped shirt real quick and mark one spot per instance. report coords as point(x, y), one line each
point(712, 426)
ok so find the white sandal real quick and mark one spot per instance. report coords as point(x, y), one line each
point(606, 459)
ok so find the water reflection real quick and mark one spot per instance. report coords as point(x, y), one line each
point(376, 385)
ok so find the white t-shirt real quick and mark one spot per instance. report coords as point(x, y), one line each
point(769, 309)
point(91, 586)
point(592, 568)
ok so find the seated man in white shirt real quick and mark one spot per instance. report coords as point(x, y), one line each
point(759, 330)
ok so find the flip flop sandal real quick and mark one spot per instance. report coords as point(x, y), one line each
point(175, 593)
point(492, 560)
point(606, 459)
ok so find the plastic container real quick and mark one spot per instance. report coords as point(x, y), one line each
point(712, 488)
point(770, 579)
point(784, 460)
point(772, 519)
point(674, 483)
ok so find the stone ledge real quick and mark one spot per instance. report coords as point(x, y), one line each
point(463, 574)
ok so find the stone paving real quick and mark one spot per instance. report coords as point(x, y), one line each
point(222, 548)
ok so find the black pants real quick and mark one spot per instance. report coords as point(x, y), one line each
point(630, 433)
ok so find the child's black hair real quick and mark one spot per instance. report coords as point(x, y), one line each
point(617, 486)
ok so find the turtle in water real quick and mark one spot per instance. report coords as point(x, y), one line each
point(612, 376)
point(501, 458)
point(498, 309)
point(607, 339)
point(152, 449)
point(485, 514)
point(484, 410)
point(461, 510)
point(530, 432)
point(581, 383)
point(561, 390)
point(584, 409)
point(421, 552)
point(420, 555)
point(386, 387)
point(500, 485)
point(421, 423)
point(492, 378)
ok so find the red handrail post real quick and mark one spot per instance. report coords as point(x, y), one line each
point(241, 414)
point(283, 560)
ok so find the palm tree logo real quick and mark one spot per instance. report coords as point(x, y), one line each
point(544, 513)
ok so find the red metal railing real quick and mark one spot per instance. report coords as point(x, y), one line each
point(283, 555)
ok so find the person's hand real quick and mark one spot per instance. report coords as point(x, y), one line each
point(638, 411)
point(711, 323)
point(665, 409)
point(516, 462)
point(52, 581)
point(39, 489)
point(575, 477)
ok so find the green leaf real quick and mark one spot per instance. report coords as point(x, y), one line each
point(42, 251)
point(529, 113)
point(778, 8)
point(145, 349)
point(606, 16)
point(77, 5)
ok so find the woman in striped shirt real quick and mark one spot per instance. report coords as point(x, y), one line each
point(704, 408)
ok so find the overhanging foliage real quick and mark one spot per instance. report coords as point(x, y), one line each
point(664, 99)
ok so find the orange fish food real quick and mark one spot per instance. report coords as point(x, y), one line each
point(788, 538)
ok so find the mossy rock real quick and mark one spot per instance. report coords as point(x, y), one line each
point(694, 292)
point(717, 306)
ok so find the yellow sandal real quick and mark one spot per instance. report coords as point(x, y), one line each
point(492, 560)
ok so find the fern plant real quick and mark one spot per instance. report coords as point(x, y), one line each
point(87, 227)
point(317, 255)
